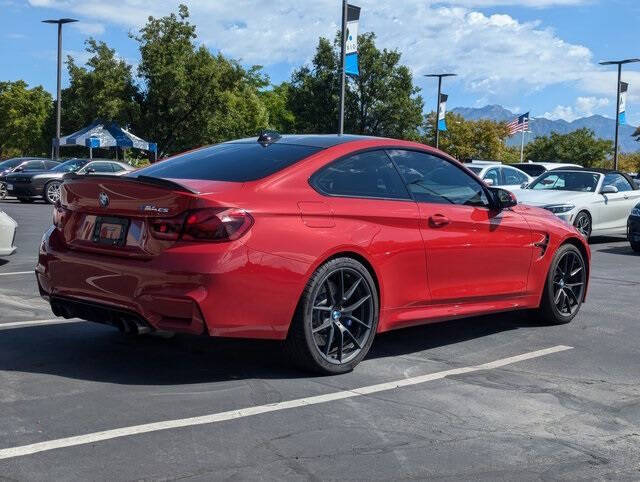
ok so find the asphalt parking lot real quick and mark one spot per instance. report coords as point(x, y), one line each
point(496, 397)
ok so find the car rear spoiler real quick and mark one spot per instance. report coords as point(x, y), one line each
point(155, 181)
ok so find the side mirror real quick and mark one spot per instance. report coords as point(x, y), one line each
point(609, 189)
point(524, 185)
point(488, 181)
point(18, 169)
point(503, 199)
point(91, 170)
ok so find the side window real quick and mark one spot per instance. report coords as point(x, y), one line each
point(512, 176)
point(434, 180)
point(117, 167)
point(617, 180)
point(33, 166)
point(493, 174)
point(100, 167)
point(50, 164)
point(368, 174)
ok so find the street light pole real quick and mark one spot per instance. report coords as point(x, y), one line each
point(60, 23)
point(439, 76)
point(619, 63)
point(343, 74)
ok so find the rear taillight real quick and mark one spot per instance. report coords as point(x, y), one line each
point(213, 225)
point(60, 215)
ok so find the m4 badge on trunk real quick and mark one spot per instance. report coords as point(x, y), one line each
point(154, 209)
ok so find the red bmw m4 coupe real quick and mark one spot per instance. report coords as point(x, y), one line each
point(320, 241)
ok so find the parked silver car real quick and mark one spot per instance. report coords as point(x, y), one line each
point(596, 202)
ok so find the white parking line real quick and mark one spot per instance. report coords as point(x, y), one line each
point(274, 407)
point(26, 324)
point(17, 273)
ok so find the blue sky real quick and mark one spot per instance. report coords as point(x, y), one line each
point(537, 55)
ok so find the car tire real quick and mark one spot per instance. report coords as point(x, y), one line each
point(328, 301)
point(565, 286)
point(583, 224)
point(26, 200)
point(3, 191)
point(52, 192)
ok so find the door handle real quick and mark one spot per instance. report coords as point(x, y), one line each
point(438, 220)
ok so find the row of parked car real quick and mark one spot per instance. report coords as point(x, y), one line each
point(597, 202)
point(29, 178)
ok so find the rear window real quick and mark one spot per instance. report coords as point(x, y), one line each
point(534, 170)
point(235, 162)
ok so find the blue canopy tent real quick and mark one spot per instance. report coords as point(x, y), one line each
point(103, 135)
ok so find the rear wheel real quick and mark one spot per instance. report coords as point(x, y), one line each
point(336, 319)
point(52, 192)
point(565, 286)
point(583, 224)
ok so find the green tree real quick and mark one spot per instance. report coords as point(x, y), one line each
point(628, 161)
point(23, 119)
point(381, 101)
point(466, 139)
point(276, 101)
point(190, 96)
point(579, 147)
point(103, 90)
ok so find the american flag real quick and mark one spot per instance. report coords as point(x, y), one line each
point(521, 124)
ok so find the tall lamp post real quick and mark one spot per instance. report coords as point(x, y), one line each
point(439, 76)
point(60, 22)
point(619, 63)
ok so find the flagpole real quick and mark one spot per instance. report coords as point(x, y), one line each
point(522, 146)
point(342, 69)
point(615, 154)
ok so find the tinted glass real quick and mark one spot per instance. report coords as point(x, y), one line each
point(117, 167)
point(566, 181)
point(512, 176)
point(432, 179)
point(99, 167)
point(9, 163)
point(238, 162)
point(70, 166)
point(32, 166)
point(369, 174)
point(617, 180)
point(50, 164)
point(475, 170)
point(532, 169)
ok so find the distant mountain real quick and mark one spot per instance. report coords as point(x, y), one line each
point(602, 126)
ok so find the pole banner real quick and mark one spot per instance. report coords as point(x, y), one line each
point(442, 122)
point(622, 108)
point(351, 45)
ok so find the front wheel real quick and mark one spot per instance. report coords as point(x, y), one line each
point(583, 224)
point(336, 319)
point(52, 192)
point(3, 191)
point(565, 286)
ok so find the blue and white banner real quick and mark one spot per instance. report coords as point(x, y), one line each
point(442, 112)
point(351, 42)
point(622, 107)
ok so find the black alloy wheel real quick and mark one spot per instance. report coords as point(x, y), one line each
point(565, 287)
point(583, 224)
point(337, 318)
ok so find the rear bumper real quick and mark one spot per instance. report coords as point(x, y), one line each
point(633, 229)
point(216, 289)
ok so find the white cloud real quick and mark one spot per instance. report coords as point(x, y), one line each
point(493, 54)
point(583, 107)
point(89, 28)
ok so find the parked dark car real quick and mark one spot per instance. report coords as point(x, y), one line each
point(633, 228)
point(28, 186)
point(22, 164)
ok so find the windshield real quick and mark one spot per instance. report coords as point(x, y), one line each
point(70, 166)
point(8, 164)
point(475, 170)
point(566, 181)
